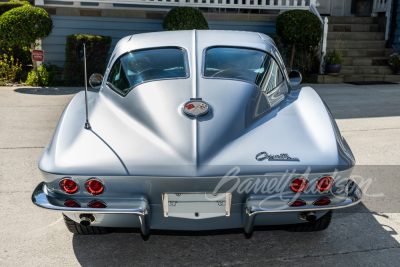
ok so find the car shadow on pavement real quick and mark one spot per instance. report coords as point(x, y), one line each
point(351, 232)
point(51, 90)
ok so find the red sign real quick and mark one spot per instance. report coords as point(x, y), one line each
point(38, 55)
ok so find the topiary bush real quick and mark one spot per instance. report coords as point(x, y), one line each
point(298, 28)
point(24, 25)
point(97, 48)
point(19, 52)
point(185, 18)
point(4, 7)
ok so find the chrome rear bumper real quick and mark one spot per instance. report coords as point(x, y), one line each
point(44, 199)
point(255, 207)
point(40, 197)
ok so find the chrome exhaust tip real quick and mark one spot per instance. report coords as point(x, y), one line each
point(308, 216)
point(86, 219)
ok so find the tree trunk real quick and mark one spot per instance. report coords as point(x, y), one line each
point(34, 65)
point(292, 56)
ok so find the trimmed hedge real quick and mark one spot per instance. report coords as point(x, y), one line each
point(4, 7)
point(185, 18)
point(97, 48)
point(299, 27)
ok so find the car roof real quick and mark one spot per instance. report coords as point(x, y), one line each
point(187, 39)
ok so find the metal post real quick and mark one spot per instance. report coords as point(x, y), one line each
point(87, 124)
point(323, 46)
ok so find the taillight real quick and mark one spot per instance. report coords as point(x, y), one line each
point(297, 203)
point(325, 183)
point(72, 204)
point(322, 202)
point(298, 185)
point(95, 204)
point(68, 186)
point(94, 187)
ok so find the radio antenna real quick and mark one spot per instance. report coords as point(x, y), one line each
point(87, 124)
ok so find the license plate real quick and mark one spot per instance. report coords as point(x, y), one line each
point(196, 205)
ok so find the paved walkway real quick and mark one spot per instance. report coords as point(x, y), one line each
point(368, 116)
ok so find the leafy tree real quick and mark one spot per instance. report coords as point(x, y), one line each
point(24, 25)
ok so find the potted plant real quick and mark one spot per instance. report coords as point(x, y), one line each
point(394, 62)
point(333, 62)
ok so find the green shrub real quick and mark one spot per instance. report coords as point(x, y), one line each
point(22, 53)
point(55, 74)
point(185, 18)
point(9, 67)
point(4, 7)
point(97, 48)
point(24, 25)
point(42, 80)
point(49, 75)
point(299, 29)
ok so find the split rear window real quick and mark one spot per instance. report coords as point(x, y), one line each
point(243, 64)
point(141, 66)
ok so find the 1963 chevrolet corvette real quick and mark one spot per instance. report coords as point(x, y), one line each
point(196, 130)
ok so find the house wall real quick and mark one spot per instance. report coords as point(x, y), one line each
point(92, 22)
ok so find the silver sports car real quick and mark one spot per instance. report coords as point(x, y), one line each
point(196, 130)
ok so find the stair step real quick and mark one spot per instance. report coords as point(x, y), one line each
point(355, 28)
point(371, 36)
point(365, 52)
point(366, 70)
point(355, 20)
point(317, 78)
point(348, 44)
point(365, 61)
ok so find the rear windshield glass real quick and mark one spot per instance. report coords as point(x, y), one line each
point(146, 65)
point(239, 63)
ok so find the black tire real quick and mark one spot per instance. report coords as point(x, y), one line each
point(78, 229)
point(317, 225)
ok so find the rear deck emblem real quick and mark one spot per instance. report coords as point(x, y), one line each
point(282, 157)
point(195, 108)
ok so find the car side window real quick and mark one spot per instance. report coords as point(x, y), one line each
point(118, 77)
point(272, 77)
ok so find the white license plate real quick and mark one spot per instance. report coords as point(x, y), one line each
point(196, 205)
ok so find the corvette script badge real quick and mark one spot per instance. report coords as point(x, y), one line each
point(282, 157)
point(195, 108)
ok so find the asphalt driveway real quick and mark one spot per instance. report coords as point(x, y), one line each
point(368, 116)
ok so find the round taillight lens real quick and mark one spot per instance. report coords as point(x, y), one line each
point(322, 202)
point(325, 183)
point(298, 185)
point(69, 186)
point(72, 204)
point(297, 203)
point(94, 187)
point(97, 205)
